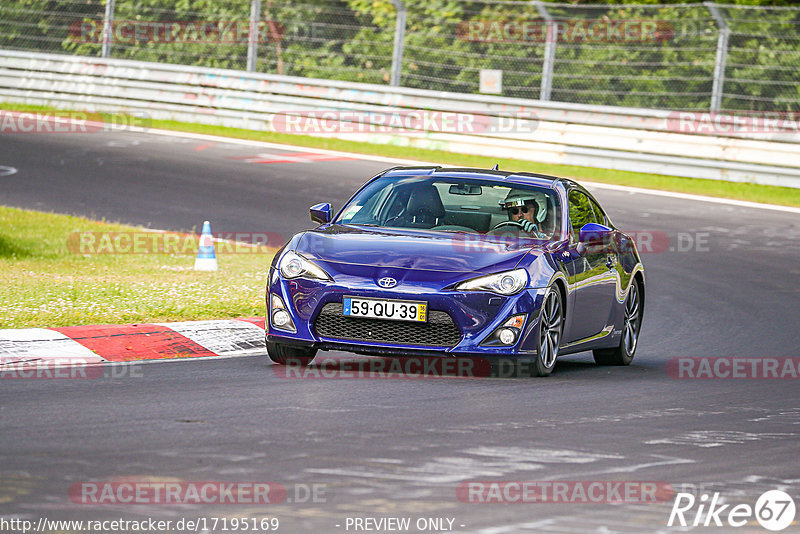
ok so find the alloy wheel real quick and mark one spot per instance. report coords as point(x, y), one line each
point(631, 324)
point(550, 329)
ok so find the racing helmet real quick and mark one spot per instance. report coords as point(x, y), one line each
point(520, 197)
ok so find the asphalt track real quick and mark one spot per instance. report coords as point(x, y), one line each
point(394, 447)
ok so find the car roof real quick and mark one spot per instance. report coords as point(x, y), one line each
point(522, 178)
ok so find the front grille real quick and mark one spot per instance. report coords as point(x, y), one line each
point(439, 331)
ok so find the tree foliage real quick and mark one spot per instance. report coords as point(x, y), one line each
point(353, 40)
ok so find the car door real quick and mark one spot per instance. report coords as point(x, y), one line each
point(591, 271)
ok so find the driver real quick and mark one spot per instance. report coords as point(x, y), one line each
point(522, 208)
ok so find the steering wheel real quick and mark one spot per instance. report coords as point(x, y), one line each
point(392, 219)
point(508, 223)
point(533, 232)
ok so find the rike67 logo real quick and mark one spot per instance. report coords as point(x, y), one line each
point(774, 510)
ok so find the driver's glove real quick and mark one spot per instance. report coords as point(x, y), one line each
point(529, 227)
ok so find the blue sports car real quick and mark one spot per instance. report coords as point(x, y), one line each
point(459, 263)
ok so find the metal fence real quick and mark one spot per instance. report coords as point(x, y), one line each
point(685, 56)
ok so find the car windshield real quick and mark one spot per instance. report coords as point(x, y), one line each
point(451, 204)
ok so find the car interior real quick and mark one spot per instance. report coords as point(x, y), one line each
point(450, 207)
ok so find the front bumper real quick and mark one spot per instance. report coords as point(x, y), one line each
point(474, 314)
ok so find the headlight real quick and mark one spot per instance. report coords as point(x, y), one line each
point(293, 265)
point(506, 283)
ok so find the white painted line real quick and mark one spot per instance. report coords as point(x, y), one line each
point(279, 146)
point(688, 196)
point(668, 460)
point(179, 360)
point(192, 359)
point(222, 337)
point(398, 161)
point(7, 171)
point(59, 363)
point(26, 344)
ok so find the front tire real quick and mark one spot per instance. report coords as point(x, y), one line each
point(287, 355)
point(631, 325)
point(551, 325)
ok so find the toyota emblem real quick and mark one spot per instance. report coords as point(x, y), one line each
point(387, 282)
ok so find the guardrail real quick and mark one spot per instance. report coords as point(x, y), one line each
point(572, 134)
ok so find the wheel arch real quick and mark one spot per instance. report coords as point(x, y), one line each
point(639, 277)
point(562, 288)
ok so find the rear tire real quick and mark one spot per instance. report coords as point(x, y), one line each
point(551, 325)
point(288, 355)
point(631, 325)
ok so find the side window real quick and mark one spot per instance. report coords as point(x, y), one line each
point(368, 213)
point(598, 213)
point(580, 212)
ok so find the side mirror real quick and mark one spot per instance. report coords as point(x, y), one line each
point(593, 232)
point(321, 213)
point(594, 238)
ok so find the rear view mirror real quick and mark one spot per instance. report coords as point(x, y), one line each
point(465, 189)
point(321, 213)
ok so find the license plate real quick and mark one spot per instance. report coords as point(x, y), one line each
point(397, 310)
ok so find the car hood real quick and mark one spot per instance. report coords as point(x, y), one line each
point(411, 249)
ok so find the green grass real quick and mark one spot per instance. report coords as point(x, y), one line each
point(47, 280)
point(786, 196)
